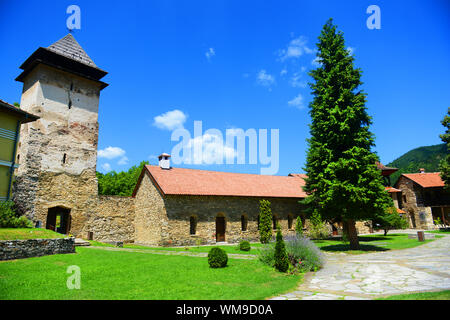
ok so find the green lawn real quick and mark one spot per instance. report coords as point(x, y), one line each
point(447, 231)
point(440, 295)
point(28, 233)
point(371, 243)
point(128, 275)
point(368, 243)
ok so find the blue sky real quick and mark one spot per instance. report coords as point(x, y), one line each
point(240, 64)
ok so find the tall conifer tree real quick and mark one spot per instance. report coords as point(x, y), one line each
point(343, 180)
point(444, 166)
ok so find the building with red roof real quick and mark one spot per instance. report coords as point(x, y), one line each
point(179, 206)
point(424, 199)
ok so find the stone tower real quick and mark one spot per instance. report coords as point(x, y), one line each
point(56, 185)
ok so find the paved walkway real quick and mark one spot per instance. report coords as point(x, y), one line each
point(373, 275)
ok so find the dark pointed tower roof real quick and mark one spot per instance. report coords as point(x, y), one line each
point(65, 54)
point(69, 47)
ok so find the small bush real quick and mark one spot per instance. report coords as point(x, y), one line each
point(304, 254)
point(299, 226)
point(266, 254)
point(281, 257)
point(217, 258)
point(9, 218)
point(318, 228)
point(244, 246)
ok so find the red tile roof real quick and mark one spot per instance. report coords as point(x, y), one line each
point(392, 189)
point(182, 181)
point(426, 180)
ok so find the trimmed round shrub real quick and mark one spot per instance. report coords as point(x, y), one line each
point(217, 258)
point(244, 246)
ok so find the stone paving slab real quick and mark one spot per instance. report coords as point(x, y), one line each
point(372, 275)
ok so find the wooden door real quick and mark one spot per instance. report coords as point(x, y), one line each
point(220, 229)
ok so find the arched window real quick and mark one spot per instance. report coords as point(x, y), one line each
point(193, 225)
point(290, 220)
point(244, 222)
point(274, 221)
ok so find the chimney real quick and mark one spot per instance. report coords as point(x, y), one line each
point(422, 170)
point(164, 161)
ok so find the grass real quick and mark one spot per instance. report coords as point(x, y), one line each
point(446, 231)
point(28, 233)
point(371, 243)
point(368, 243)
point(440, 295)
point(129, 275)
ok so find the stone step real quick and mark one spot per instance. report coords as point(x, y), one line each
point(81, 243)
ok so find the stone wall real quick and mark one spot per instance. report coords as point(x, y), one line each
point(150, 213)
point(419, 216)
point(19, 249)
point(114, 219)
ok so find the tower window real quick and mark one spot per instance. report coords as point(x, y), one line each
point(71, 86)
point(70, 103)
point(64, 158)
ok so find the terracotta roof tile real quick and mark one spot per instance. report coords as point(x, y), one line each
point(426, 180)
point(182, 181)
point(392, 189)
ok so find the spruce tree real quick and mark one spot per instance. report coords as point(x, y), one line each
point(265, 221)
point(343, 180)
point(444, 166)
point(281, 257)
point(299, 227)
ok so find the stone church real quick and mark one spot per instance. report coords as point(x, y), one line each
point(56, 184)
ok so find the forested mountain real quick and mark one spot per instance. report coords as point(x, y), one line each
point(423, 157)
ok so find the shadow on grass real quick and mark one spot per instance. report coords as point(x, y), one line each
point(345, 247)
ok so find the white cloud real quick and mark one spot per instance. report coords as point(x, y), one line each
point(296, 82)
point(123, 160)
point(350, 50)
point(297, 102)
point(296, 48)
point(316, 62)
point(212, 147)
point(111, 152)
point(170, 120)
point(283, 72)
point(210, 53)
point(106, 167)
point(265, 79)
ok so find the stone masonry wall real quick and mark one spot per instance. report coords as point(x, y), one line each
point(19, 249)
point(150, 213)
point(176, 225)
point(114, 220)
point(419, 217)
point(57, 154)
